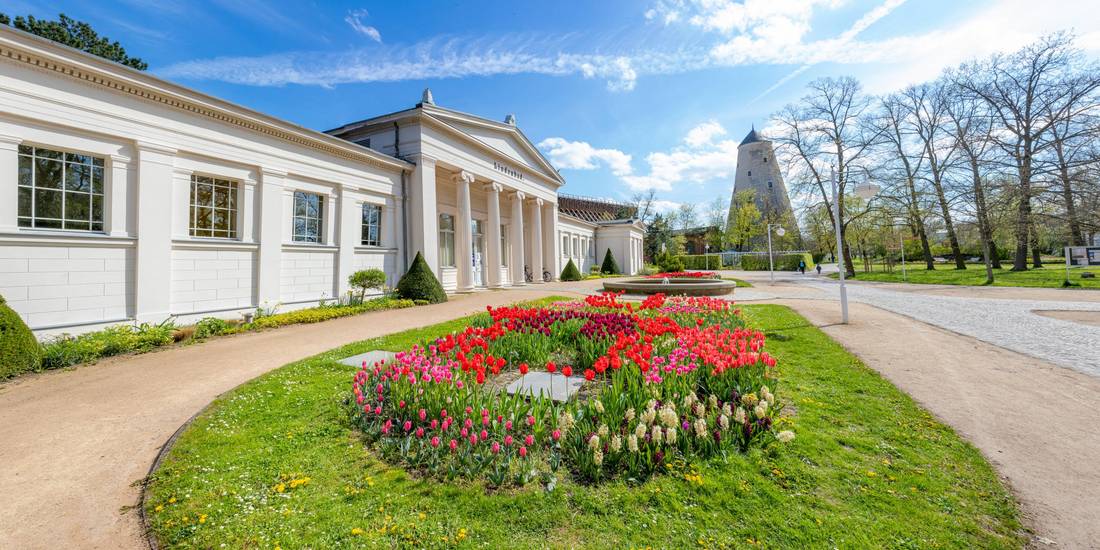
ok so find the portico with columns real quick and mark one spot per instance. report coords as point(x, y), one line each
point(482, 201)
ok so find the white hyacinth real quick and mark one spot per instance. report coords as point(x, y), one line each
point(616, 443)
point(597, 456)
point(700, 409)
point(760, 411)
point(785, 436)
point(655, 435)
point(602, 430)
point(713, 401)
point(598, 406)
point(724, 422)
point(630, 414)
point(701, 427)
point(639, 430)
point(670, 436)
point(669, 417)
point(632, 443)
point(739, 416)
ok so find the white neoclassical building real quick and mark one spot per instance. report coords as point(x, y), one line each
point(124, 197)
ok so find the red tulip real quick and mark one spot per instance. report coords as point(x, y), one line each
point(523, 368)
point(589, 374)
point(567, 370)
point(551, 367)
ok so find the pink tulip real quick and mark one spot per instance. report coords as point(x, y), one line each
point(496, 447)
point(529, 440)
point(556, 434)
point(523, 451)
point(484, 435)
point(435, 441)
point(408, 425)
point(530, 420)
point(507, 441)
point(423, 415)
point(454, 445)
point(420, 432)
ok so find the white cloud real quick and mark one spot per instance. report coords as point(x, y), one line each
point(704, 133)
point(686, 164)
point(354, 18)
point(580, 155)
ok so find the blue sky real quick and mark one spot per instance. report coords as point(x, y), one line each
point(621, 95)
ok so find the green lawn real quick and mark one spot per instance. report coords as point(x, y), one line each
point(741, 283)
point(1049, 276)
point(868, 468)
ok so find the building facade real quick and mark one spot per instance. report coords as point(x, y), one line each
point(124, 197)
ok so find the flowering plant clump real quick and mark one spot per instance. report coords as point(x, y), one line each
point(669, 378)
point(684, 275)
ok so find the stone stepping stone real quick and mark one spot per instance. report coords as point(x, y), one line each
point(369, 357)
point(543, 384)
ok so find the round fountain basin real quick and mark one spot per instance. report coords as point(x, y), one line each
point(673, 287)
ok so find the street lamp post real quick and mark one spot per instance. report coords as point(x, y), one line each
point(839, 248)
point(771, 260)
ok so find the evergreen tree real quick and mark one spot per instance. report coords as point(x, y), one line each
point(75, 34)
point(419, 283)
point(610, 266)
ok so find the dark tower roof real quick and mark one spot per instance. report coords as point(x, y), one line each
point(752, 137)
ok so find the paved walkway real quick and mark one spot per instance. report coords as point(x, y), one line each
point(74, 444)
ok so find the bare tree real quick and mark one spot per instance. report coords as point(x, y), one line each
point(645, 205)
point(826, 130)
point(892, 123)
point(1028, 92)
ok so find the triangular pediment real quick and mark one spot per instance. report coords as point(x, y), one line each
point(504, 138)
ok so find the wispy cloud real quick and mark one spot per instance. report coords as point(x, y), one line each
point(354, 18)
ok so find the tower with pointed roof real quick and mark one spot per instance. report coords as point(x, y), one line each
point(758, 172)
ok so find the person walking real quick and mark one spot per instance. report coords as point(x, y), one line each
point(819, 269)
point(802, 266)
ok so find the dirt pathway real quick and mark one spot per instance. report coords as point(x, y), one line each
point(1036, 422)
point(74, 444)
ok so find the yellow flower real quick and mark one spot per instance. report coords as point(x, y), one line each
point(172, 500)
point(423, 516)
point(159, 508)
point(356, 531)
point(202, 518)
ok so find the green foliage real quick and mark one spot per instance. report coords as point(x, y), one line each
point(419, 283)
point(668, 263)
point(744, 221)
point(867, 470)
point(66, 350)
point(609, 266)
point(367, 279)
point(19, 350)
point(702, 261)
point(570, 272)
point(1049, 277)
point(75, 34)
point(211, 326)
point(318, 314)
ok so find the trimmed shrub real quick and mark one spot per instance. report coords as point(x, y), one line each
point(19, 349)
point(318, 314)
point(419, 283)
point(367, 279)
point(570, 273)
point(210, 326)
point(783, 262)
point(610, 266)
point(702, 261)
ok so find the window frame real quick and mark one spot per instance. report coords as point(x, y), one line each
point(233, 207)
point(504, 250)
point(365, 227)
point(446, 237)
point(28, 156)
point(306, 238)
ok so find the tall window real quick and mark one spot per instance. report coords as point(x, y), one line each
point(565, 245)
point(446, 240)
point(308, 217)
point(504, 246)
point(60, 190)
point(372, 223)
point(213, 207)
point(576, 247)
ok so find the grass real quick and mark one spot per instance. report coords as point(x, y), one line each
point(1050, 276)
point(869, 468)
point(741, 283)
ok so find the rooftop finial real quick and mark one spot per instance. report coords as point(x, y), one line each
point(510, 119)
point(426, 98)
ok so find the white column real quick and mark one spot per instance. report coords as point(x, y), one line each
point(269, 231)
point(551, 257)
point(9, 164)
point(537, 240)
point(492, 235)
point(348, 236)
point(152, 277)
point(517, 240)
point(464, 232)
point(423, 215)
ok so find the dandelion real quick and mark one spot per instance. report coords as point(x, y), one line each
point(356, 531)
point(785, 436)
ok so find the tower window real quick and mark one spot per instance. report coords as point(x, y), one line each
point(750, 173)
point(765, 159)
point(769, 185)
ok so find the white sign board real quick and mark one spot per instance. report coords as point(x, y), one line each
point(1080, 256)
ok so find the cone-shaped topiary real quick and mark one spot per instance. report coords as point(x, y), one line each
point(610, 266)
point(419, 283)
point(571, 273)
point(19, 350)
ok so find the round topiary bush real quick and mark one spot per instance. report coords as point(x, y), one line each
point(610, 266)
point(571, 273)
point(419, 283)
point(19, 349)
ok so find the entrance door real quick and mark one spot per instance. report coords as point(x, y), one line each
point(478, 273)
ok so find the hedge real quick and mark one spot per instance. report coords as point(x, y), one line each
point(19, 351)
point(783, 262)
point(419, 283)
point(701, 261)
point(324, 313)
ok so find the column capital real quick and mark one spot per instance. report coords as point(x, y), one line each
point(463, 176)
point(539, 201)
point(520, 196)
point(496, 187)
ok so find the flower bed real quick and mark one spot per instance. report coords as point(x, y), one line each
point(684, 275)
point(673, 377)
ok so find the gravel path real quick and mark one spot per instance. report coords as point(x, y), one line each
point(1009, 323)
